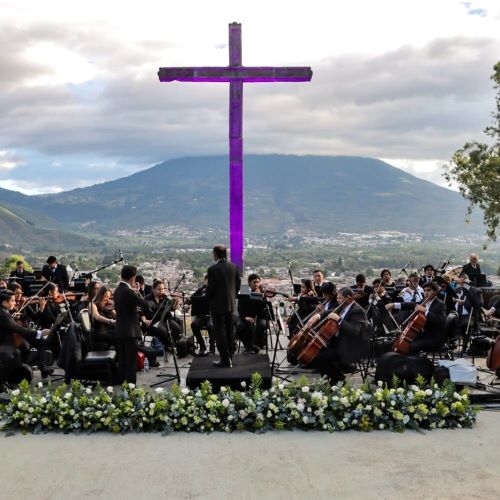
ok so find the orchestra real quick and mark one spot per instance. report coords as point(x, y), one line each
point(329, 331)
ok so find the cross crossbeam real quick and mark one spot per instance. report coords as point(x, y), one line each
point(236, 74)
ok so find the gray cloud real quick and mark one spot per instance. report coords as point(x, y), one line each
point(414, 103)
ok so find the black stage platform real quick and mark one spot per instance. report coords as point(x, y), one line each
point(244, 366)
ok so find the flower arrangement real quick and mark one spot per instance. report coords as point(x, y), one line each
point(300, 404)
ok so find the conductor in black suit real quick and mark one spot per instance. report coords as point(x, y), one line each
point(57, 273)
point(223, 283)
point(127, 330)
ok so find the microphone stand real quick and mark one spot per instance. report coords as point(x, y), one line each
point(179, 281)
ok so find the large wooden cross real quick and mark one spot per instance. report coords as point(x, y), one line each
point(235, 74)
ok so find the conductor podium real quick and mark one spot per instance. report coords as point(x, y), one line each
point(244, 366)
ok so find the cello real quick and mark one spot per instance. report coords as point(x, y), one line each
point(493, 359)
point(329, 328)
point(416, 322)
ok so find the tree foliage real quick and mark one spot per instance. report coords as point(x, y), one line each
point(476, 169)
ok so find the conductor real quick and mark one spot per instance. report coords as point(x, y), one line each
point(223, 283)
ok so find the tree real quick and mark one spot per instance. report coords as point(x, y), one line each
point(476, 169)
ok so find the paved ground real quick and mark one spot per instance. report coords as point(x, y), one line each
point(283, 465)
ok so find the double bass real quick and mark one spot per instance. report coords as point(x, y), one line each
point(493, 358)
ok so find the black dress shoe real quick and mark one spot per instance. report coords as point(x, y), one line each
point(154, 364)
point(223, 364)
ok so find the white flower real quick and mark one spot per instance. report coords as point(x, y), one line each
point(43, 400)
point(151, 405)
point(381, 427)
point(131, 386)
point(243, 384)
point(225, 402)
point(428, 392)
point(380, 383)
point(281, 386)
point(40, 384)
point(305, 388)
point(185, 391)
point(15, 392)
point(159, 390)
point(223, 389)
point(406, 419)
point(67, 395)
point(305, 420)
point(88, 390)
point(109, 388)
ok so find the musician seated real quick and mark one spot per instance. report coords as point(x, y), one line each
point(377, 301)
point(350, 344)
point(494, 308)
point(386, 276)
point(428, 276)
point(103, 317)
point(413, 292)
point(362, 291)
point(251, 328)
point(432, 336)
point(318, 280)
point(467, 304)
point(201, 322)
point(19, 272)
point(151, 319)
point(472, 269)
point(48, 312)
point(142, 287)
point(305, 307)
point(447, 293)
point(12, 369)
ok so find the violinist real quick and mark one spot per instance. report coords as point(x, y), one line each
point(362, 291)
point(351, 343)
point(387, 280)
point(251, 328)
point(151, 319)
point(11, 368)
point(376, 308)
point(432, 336)
point(306, 305)
point(447, 293)
point(203, 321)
point(413, 292)
point(104, 317)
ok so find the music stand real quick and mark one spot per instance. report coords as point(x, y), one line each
point(168, 377)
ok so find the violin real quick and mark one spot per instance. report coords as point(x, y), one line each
point(63, 297)
point(269, 293)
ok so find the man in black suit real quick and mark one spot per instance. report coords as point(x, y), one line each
point(472, 269)
point(128, 330)
point(351, 343)
point(11, 367)
point(432, 336)
point(19, 272)
point(223, 283)
point(57, 273)
point(428, 275)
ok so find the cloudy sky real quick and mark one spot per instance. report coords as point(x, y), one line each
point(407, 81)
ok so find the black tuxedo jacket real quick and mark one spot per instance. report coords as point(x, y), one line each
point(423, 280)
point(223, 284)
point(8, 327)
point(434, 326)
point(471, 272)
point(127, 316)
point(59, 276)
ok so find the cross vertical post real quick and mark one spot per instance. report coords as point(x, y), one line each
point(236, 213)
point(236, 74)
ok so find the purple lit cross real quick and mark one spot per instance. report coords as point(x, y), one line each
point(235, 74)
